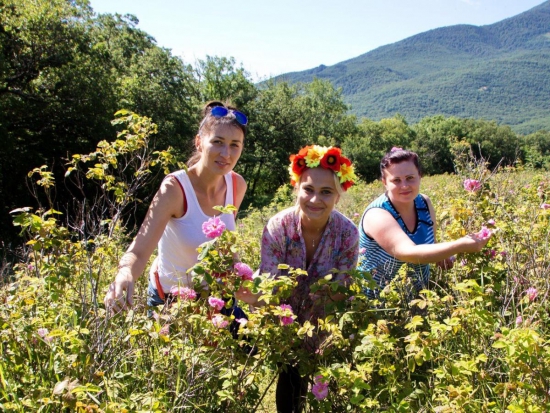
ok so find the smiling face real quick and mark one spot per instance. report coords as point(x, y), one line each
point(317, 195)
point(402, 182)
point(220, 148)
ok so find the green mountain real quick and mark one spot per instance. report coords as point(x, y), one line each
point(499, 72)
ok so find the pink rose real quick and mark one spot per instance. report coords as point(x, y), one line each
point(485, 233)
point(472, 185)
point(519, 320)
point(320, 388)
point(288, 315)
point(532, 293)
point(43, 332)
point(217, 303)
point(242, 321)
point(219, 321)
point(213, 228)
point(184, 293)
point(545, 206)
point(491, 222)
point(243, 271)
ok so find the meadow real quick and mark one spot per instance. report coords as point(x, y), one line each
point(476, 341)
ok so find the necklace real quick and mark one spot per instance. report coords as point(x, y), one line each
point(313, 240)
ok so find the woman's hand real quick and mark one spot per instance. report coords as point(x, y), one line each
point(245, 295)
point(447, 263)
point(475, 242)
point(120, 293)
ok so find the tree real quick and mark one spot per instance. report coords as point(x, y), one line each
point(285, 118)
point(64, 72)
point(434, 135)
point(373, 140)
point(493, 142)
point(536, 147)
point(220, 79)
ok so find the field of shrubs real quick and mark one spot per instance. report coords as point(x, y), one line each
point(476, 341)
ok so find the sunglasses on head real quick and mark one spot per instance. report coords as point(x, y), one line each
point(221, 111)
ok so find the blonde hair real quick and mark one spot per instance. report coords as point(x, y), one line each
point(339, 190)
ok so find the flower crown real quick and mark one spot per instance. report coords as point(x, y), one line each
point(331, 158)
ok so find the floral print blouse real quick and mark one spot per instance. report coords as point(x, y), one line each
point(282, 243)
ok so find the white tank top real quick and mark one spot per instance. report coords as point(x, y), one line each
point(177, 248)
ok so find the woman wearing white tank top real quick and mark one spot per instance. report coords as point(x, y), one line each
point(185, 199)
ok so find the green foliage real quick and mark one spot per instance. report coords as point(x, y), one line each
point(373, 140)
point(64, 72)
point(284, 118)
point(476, 340)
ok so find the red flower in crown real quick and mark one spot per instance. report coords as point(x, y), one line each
point(298, 163)
point(332, 159)
point(346, 185)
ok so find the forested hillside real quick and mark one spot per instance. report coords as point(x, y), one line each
point(497, 72)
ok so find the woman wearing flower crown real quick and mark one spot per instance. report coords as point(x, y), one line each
point(312, 236)
point(399, 227)
point(185, 200)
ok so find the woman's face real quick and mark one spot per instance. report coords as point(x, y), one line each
point(402, 182)
point(220, 148)
point(317, 194)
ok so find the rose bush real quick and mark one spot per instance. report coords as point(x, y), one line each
point(476, 340)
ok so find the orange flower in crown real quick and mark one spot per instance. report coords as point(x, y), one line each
point(314, 156)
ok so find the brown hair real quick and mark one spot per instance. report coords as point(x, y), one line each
point(209, 122)
point(398, 155)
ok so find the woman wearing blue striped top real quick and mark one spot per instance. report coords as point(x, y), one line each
point(399, 227)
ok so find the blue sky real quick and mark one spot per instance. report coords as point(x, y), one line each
point(271, 38)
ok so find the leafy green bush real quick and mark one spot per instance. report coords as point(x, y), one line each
point(476, 340)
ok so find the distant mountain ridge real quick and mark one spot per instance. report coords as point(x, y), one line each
point(499, 71)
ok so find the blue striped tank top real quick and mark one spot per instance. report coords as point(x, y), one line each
point(382, 266)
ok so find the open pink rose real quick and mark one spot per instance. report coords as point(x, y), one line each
point(243, 271)
point(320, 388)
point(472, 185)
point(485, 233)
point(184, 293)
point(532, 293)
point(213, 228)
point(216, 302)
